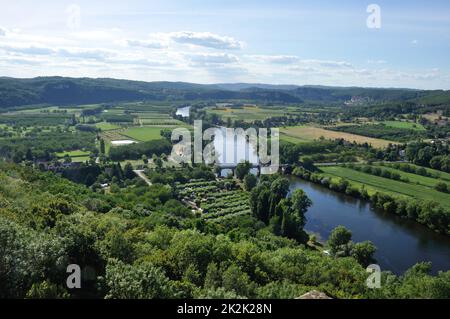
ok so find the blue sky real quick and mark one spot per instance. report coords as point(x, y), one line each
point(280, 42)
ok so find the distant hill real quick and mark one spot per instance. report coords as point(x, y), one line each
point(66, 91)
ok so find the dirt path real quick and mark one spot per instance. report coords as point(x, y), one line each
point(140, 173)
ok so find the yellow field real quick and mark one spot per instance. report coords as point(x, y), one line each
point(310, 133)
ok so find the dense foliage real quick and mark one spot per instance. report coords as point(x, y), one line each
point(40, 145)
point(435, 155)
point(135, 151)
point(140, 242)
point(60, 90)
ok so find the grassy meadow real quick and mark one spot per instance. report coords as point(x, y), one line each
point(298, 134)
point(418, 187)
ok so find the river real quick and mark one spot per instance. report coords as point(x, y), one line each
point(401, 243)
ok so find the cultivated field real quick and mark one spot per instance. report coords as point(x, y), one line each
point(418, 187)
point(299, 134)
point(144, 134)
point(405, 125)
point(105, 126)
point(76, 156)
point(249, 113)
point(214, 200)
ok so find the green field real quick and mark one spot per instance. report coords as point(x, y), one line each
point(105, 126)
point(440, 174)
point(144, 134)
point(304, 133)
point(80, 159)
point(405, 125)
point(248, 113)
point(393, 187)
point(414, 178)
point(77, 153)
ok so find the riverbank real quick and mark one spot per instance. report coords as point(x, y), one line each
point(427, 213)
point(401, 242)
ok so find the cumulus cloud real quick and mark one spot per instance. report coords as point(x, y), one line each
point(96, 35)
point(275, 59)
point(94, 54)
point(76, 53)
point(296, 63)
point(146, 44)
point(329, 64)
point(142, 62)
point(212, 58)
point(27, 50)
point(205, 39)
point(188, 56)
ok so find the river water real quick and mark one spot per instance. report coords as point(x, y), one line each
point(401, 243)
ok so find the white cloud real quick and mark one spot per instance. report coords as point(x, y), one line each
point(188, 56)
point(370, 61)
point(275, 59)
point(75, 53)
point(96, 34)
point(205, 39)
point(212, 59)
point(329, 64)
point(146, 44)
point(90, 54)
point(415, 42)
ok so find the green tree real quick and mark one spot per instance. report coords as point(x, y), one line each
point(29, 155)
point(300, 204)
point(234, 279)
point(442, 187)
point(102, 146)
point(278, 190)
point(242, 169)
point(213, 277)
point(143, 281)
point(339, 237)
point(363, 252)
point(128, 171)
point(250, 182)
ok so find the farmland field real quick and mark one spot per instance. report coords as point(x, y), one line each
point(310, 133)
point(76, 156)
point(393, 187)
point(214, 200)
point(159, 121)
point(405, 125)
point(80, 159)
point(248, 113)
point(429, 181)
point(76, 153)
point(439, 174)
point(144, 134)
point(105, 126)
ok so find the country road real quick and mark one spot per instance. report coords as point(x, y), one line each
point(140, 173)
